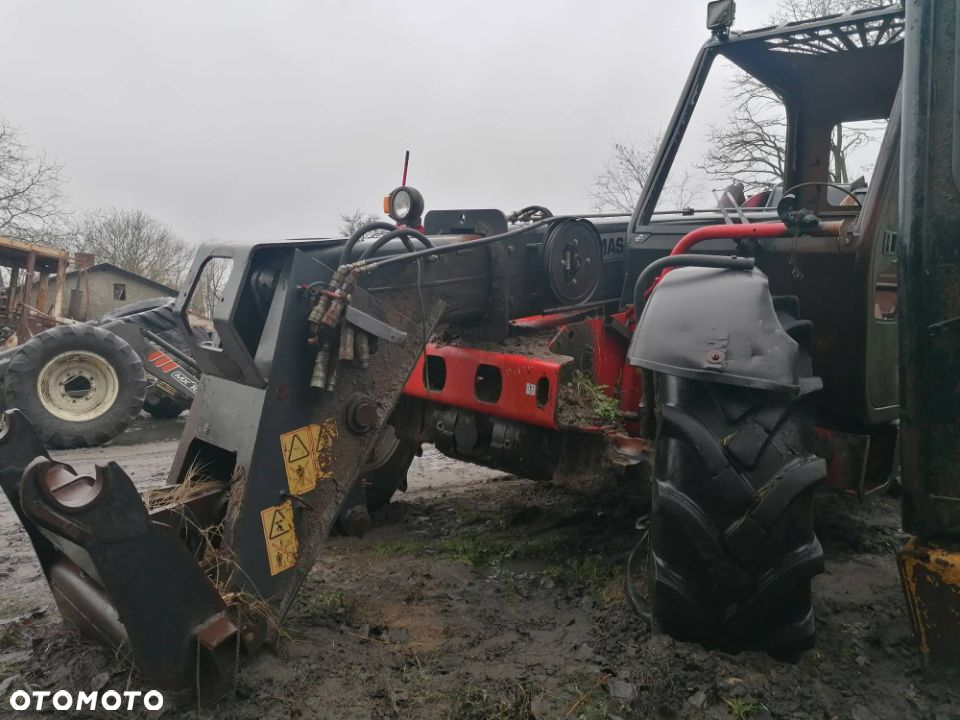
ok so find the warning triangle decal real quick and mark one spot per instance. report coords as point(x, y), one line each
point(298, 449)
point(279, 525)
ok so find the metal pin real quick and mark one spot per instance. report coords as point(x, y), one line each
point(332, 378)
point(323, 301)
point(319, 377)
point(346, 342)
point(362, 350)
point(318, 310)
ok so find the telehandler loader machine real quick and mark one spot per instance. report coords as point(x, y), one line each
point(738, 353)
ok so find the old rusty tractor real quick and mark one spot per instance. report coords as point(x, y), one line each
point(82, 383)
point(730, 360)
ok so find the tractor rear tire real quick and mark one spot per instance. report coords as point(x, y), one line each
point(79, 385)
point(732, 543)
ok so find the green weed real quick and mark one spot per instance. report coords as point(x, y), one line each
point(744, 709)
point(11, 635)
point(391, 548)
point(590, 572)
point(474, 703)
point(332, 607)
point(602, 405)
point(476, 551)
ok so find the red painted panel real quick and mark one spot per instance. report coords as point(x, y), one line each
point(610, 366)
point(518, 396)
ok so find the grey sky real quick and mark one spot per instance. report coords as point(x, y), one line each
point(256, 120)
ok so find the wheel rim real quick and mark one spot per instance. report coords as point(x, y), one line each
point(383, 448)
point(77, 386)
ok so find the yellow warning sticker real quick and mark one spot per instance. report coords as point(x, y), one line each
point(280, 536)
point(299, 459)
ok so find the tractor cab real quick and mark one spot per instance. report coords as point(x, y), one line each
point(807, 108)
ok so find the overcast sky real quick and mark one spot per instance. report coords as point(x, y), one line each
point(256, 120)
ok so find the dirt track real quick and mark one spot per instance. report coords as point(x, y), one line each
point(483, 597)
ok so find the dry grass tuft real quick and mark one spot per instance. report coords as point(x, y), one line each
point(196, 483)
point(247, 610)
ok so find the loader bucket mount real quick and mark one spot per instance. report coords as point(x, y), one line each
point(289, 408)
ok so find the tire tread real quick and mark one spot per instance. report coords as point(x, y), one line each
point(732, 544)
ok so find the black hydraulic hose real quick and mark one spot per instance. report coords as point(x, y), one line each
point(842, 189)
point(404, 234)
point(459, 247)
point(359, 233)
point(649, 403)
point(651, 271)
point(630, 585)
point(530, 210)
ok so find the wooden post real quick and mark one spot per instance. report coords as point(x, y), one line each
point(12, 291)
point(25, 331)
point(86, 294)
point(58, 287)
point(42, 286)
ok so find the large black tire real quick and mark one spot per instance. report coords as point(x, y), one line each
point(81, 364)
point(732, 544)
point(381, 483)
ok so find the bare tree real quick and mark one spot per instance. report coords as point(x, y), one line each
point(750, 145)
point(797, 10)
point(31, 201)
point(617, 188)
point(134, 241)
point(209, 291)
point(353, 221)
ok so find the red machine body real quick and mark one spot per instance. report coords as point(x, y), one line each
point(526, 387)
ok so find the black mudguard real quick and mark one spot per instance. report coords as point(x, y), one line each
point(715, 325)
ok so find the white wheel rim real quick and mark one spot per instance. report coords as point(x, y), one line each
point(77, 386)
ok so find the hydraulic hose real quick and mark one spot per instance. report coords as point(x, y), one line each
point(460, 247)
point(652, 271)
point(404, 234)
point(359, 233)
point(630, 586)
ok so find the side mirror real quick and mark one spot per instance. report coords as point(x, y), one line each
point(720, 16)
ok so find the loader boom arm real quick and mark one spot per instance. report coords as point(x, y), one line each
point(312, 359)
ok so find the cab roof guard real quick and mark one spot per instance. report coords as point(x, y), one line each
point(839, 68)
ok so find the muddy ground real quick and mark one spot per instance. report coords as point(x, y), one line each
point(480, 596)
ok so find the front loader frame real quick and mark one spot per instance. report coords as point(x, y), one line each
point(263, 467)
